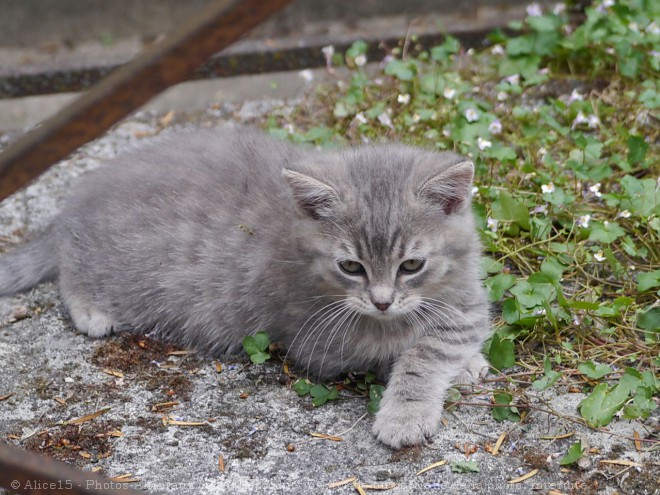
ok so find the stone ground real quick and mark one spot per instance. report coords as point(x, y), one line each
point(249, 419)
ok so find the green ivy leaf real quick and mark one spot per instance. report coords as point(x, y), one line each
point(642, 405)
point(594, 371)
point(505, 413)
point(649, 320)
point(601, 405)
point(256, 347)
point(642, 196)
point(498, 285)
point(302, 387)
point(606, 232)
point(637, 149)
point(322, 394)
point(508, 209)
point(648, 280)
point(549, 377)
point(400, 69)
point(574, 454)
point(532, 295)
point(375, 396)
point(553, 268)
point(259, 357)
point(501, 353)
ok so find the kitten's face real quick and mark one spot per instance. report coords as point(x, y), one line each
point(392, 224)
point(386, 276)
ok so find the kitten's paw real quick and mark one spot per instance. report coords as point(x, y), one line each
point(89, 320)
point(407, 423)
point(475, 370)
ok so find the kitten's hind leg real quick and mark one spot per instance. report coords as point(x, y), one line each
point(86, 317)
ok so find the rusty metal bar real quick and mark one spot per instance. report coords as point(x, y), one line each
point(125, 89)
point(26, 472)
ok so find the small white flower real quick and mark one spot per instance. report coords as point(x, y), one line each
point(575, 96)
point(580, 118)
point(403, 99)
point(449, 93)
point(492, 224)
point(446, 133)
point(544, 72)
point(513, 79)
point(534, 10)
point(539, 312)
point(378, 81)
point(307, 75)
point(475, 190)
point(289, 128)
point(385, 119)
point(652, 28)
point(608, 3)
point(502, 96)
point(328, 51)
point(542, 151)
point(361, 60)
point(642, 117)
point(470, 52)
point(599, 256)
point(483, 143)
point(583, 221)
point(593, 121)
point(559, 8)
point(360, 118)
point(548, 188)
point(541, 209)
point(633, 27)
point(596, 190)
point(631, 267)
point(471, 115)
point(495, 127)
point(415, 118)
point(606, 223)
point(497, 50)
point(609, 51)
point(624, 214)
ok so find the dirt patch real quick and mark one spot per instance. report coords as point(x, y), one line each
point(77, 444)
point(157, 366)
point(134, 353)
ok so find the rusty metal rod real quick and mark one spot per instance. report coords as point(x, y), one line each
point(127, 88)
point(26, 472)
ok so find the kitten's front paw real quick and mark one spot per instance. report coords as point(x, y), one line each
point(407, 423)
point(475, 370)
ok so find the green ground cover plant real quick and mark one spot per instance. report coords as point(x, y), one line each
point(561, 118)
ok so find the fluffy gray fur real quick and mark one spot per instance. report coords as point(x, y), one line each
point(209, 236)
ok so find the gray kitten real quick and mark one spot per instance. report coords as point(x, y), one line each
point(357, 259)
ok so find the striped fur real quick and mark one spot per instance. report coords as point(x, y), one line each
point(209, 236)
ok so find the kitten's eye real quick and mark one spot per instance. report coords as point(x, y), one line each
point(351, 267)
point(411, 266)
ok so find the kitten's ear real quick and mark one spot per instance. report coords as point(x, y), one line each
point(451, 188)
point(314, 197)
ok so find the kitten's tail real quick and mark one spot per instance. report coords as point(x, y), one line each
point(27, 265)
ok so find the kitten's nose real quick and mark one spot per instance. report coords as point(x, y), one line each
point(382, 305)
